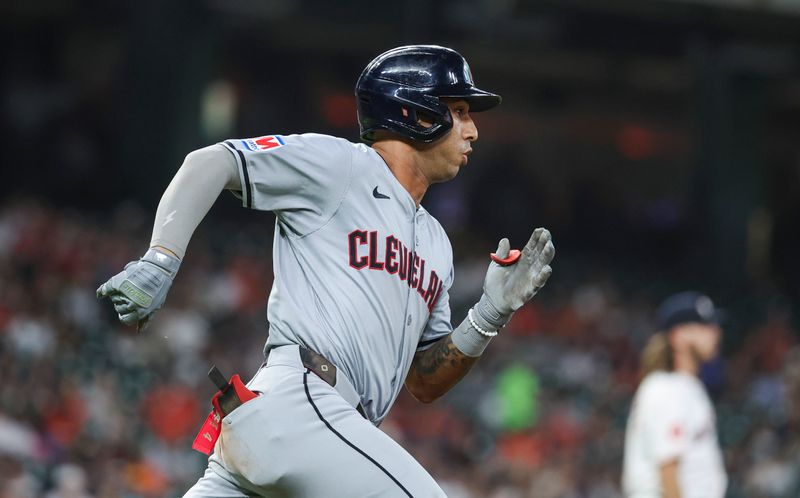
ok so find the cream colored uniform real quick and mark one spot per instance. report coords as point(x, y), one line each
point(672, 419)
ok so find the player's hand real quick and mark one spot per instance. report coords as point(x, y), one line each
point(139, 290)
point(507, 288)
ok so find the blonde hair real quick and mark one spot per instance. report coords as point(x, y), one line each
point(657, 355)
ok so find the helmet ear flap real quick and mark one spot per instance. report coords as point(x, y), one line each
point(420, 117)
point(409, 115)
point(426, 116)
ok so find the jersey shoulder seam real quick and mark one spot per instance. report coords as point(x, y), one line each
point(341, 199)
point(241, 167)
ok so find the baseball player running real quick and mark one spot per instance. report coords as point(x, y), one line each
point(671, 445)
point(359, 305)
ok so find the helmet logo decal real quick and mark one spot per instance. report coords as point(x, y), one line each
point(467, 74)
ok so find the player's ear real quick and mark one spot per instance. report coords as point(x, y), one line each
point(424, 119)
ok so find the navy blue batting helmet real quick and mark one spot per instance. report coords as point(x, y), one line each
point(687, 307)
point(400, 85)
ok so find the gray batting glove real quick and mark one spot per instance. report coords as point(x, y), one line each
point(513, 282)
point(139, 290)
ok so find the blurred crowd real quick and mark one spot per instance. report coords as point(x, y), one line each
point(89, 408)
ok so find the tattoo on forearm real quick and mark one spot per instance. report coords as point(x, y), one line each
point(437, 369)
point(444, 355)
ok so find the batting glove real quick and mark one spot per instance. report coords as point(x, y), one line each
point(139, 290)
point(512, 280)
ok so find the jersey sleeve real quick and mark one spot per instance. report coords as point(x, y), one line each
point(439, 324)
point(301, 178)
point(666, 424)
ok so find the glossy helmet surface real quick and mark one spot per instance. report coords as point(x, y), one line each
point(406, 83)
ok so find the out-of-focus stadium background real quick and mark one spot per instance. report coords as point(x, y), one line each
point(658, 140)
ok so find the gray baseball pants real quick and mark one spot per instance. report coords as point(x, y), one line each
point(301, 438)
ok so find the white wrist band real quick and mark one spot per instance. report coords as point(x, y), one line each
point(476, 327)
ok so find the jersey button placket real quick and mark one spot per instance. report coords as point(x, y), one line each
point(417, 222)
point(415, 219)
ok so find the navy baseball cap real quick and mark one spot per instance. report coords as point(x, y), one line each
point(687, 307)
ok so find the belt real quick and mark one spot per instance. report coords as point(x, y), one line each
point(315, 362)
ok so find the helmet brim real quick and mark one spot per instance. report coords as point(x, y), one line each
point(479, 100)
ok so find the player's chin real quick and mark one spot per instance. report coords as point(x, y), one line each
point(447, 171)
point(452, 172)
point(459, 163)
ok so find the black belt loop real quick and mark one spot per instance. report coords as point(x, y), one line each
point(323, 369)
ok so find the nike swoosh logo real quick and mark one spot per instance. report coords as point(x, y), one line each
point(378, 195)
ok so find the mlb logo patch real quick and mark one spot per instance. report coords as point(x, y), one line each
point(263, 143)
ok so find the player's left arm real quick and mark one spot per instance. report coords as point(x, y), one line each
point(437, 369)
point(511, 281)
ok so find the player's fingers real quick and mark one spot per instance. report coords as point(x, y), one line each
point(124, 307)
point(119, 299)
point(503, 248)
point(129, 318)
point(545, 235)
point(532, 249)
point(534, 238)
point(544, 238)
point(542, 277)
point(505, 256)
point(112, 284)
point(541, 247)
point(548, 252)
point(104, 289)
point(143, 323)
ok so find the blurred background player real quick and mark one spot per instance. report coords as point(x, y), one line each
point(671, 444)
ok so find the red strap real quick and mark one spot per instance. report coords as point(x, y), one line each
point(207, 437)
point(513, 256)
point(242, 391)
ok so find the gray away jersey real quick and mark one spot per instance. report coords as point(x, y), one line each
point(361, 274)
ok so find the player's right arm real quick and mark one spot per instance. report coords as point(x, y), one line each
point(140, 289)
point(669, 479)
point(301, 178)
